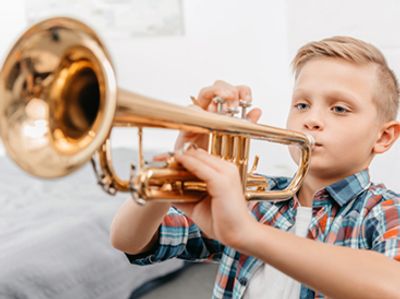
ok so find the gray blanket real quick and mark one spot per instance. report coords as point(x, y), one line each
point(54, 238)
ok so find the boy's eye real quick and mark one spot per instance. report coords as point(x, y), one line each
point(301, 106)
point(339, 109)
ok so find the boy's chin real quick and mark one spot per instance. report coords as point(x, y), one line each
point(317, 165)
point(325, 173)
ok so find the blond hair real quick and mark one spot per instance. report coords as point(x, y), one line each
point(359, 52)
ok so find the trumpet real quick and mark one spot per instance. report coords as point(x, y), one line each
point(59, 102)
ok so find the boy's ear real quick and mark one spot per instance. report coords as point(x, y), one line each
point(389, 134)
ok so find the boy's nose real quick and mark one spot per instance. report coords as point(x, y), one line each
point(313, 124)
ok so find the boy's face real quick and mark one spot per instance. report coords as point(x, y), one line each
point(333, 102)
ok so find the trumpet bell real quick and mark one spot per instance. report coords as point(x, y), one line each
point(58, 97)
point(59, 102)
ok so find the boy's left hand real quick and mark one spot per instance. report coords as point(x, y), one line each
point(224, 214)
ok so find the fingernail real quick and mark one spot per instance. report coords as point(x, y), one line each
point(189, 145)
point(186, 146)
point(179, 152)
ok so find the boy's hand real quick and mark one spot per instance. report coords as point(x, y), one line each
point(223, 215)
point(231, 94)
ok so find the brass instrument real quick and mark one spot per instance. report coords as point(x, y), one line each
point(59, 101)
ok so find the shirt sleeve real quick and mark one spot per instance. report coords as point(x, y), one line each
point(179, 237)
point(382, 228)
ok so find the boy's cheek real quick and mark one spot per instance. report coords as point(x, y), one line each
point(295, 126)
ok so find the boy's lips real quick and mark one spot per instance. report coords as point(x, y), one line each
point(316, 143)
point(317, 146)
point(314, 140)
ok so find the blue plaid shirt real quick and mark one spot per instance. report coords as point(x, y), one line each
point(352, 212)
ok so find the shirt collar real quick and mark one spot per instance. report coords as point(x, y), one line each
point(341, 191)
point(345, 190)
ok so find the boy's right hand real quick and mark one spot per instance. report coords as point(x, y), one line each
point(231, 94)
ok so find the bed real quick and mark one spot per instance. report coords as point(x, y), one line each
point(54, 238)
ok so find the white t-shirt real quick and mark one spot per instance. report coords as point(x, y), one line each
point(271, 283)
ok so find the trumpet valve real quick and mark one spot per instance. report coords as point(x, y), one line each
point(220, 104)
point(232, 111)
point(244, 105)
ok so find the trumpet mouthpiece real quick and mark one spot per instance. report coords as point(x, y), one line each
point(311, 140)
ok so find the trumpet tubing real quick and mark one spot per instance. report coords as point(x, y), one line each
point(59, 101)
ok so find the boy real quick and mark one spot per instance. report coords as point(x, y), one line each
point(338, 237)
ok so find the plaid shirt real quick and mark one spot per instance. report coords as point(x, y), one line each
point(352, 212)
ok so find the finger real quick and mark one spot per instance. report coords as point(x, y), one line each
point(244, 93)
point(226, 91)
point(214, 162)
point(229, 93)
point(205, 97)
point(219, 89)
point(183, 137)
point(196, 166)
point(254, 115)
point(162, 157)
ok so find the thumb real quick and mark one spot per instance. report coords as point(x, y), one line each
point(254, 115)
point(162, 157)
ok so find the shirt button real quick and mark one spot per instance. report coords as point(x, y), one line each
point(243, 281)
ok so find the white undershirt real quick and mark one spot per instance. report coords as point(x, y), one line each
point(271, 283)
